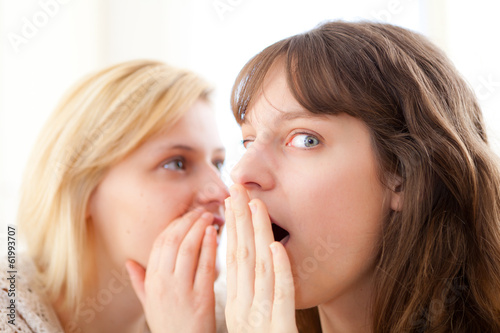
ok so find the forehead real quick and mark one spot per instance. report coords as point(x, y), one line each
point(274, 101)
point(197, 127)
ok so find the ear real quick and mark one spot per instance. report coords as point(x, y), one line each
point(396, 193)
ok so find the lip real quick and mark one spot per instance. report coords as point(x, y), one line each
point(219, 221)
point(284, 241)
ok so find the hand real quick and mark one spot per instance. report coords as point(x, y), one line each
point(260, 295)
point(177, 289)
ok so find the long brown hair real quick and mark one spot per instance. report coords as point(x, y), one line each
point(438, 266)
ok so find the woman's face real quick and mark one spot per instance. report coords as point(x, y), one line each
point(317, 174)
point(169, 174)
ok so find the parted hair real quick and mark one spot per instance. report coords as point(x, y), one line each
point(438, 262)
point(106, 116)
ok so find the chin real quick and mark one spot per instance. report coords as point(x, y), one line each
point(306, 298)
point(302, 303)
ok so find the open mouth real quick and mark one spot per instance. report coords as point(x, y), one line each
point(218, 223)
point(280, 234)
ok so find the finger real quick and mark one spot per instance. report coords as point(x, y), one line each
point(284, 292)
point(205, 273)
point(264, 274)
point(245, 250)
point(164, 253)
point(137, 276)
point(189, 250)
point(231, 265)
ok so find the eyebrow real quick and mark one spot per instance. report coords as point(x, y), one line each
point(180, 147)
point(189, 148)
point(299, 114)
point(291, 115)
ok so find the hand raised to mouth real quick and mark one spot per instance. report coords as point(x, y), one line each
point(177, 289)
point(260, 295)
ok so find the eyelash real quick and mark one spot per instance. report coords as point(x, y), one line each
point(219, 164)
point(245, 142)
point(294, 135)
point(175, 159)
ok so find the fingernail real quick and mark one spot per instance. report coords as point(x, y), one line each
point(227, 203)
point(273, 247)
point(210, 230)
point(253, 207)
point(234, 192)
point(206, 215)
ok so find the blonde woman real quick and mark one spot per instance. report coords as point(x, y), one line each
point(121, 207)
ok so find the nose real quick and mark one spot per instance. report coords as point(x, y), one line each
point(254, 170)
point(212, 189)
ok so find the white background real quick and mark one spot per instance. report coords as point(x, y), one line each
point(47, 45)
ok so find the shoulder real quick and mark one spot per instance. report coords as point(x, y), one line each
point(22, 291)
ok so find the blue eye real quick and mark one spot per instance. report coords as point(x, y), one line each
point(175, 164)
point(304, 141)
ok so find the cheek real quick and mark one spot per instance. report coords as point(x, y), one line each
point(153, 213)
point(339, 228)
point(342, 189)
point(128, 216)
point(343, 205)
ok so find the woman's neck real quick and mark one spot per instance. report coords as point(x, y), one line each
point(350, 312)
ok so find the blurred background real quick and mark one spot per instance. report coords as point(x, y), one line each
point(49, 44)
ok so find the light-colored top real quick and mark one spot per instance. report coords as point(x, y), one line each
point(34, 314)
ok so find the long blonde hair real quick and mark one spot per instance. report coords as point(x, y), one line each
point(101, 120)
